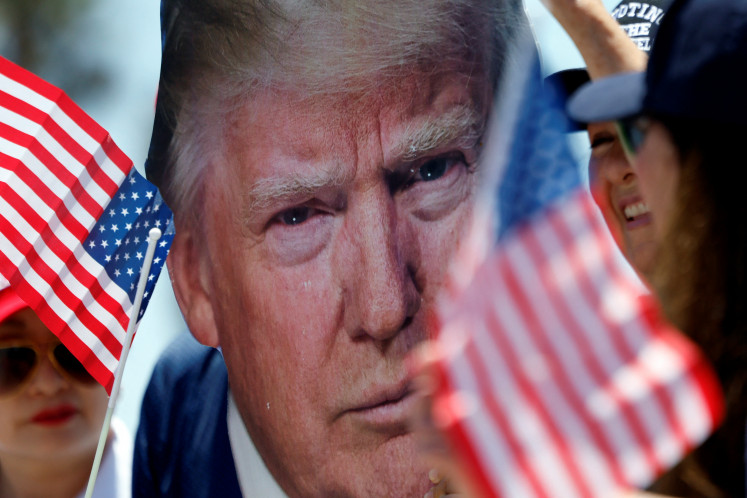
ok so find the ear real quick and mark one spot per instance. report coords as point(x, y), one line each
point(190, 278)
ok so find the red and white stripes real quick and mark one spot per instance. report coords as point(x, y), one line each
point(578, 388)
point(58, 171)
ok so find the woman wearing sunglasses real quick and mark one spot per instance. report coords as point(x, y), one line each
point(51, 414)
point(684, 123)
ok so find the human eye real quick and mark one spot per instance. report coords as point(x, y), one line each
point(601, 144)
point(437, 185)
point(435, 168)
point(599, 141)
point(295, 215)
point(298, 233)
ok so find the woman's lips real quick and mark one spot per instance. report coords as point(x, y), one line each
point(635, 212)
point(54, 416)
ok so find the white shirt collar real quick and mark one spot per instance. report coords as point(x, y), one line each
point(254, 478)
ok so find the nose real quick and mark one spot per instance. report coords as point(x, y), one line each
point(615, 166)
point(381, 295)
point(46, 379)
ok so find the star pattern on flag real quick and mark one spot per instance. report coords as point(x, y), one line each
point(138, 208)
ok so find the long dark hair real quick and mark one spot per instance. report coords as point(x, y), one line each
point(701, 278)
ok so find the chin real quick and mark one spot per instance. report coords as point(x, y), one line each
point(394, 470)
point(644, 260)
point(378, 485)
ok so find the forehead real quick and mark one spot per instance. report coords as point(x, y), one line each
point(25, 325)
point(336, 126)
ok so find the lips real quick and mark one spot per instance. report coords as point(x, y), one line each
point(54, 416)
point(387, 410)
point(635, 212)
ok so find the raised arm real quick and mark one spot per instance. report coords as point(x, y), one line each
point(605, 47)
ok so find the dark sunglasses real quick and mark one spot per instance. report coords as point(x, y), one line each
point(19, 361)
point(632, 132)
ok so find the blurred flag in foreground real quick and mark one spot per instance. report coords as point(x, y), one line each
point(74, 220)
point(559, 379)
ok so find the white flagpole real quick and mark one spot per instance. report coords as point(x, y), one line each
point(153, 237)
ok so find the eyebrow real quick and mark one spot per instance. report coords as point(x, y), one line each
point(461, 126)
point(268, 191)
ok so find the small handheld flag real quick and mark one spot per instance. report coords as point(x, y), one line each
point(560, 378)
point(74, 220)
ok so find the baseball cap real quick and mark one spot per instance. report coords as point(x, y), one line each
point(639, 20)
point(10, 303)
point(697, 69)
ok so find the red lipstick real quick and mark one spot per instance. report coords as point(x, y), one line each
point(56, 415)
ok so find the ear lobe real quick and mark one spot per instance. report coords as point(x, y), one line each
point(190, 280)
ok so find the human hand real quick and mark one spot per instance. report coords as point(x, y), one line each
point(442, 487)
point(604, 46)
point(430, 438)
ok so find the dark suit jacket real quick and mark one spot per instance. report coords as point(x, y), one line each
point(182, 447)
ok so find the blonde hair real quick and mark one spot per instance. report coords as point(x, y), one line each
point(220, 52)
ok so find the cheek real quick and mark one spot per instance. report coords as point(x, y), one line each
point(657, 169)
point(437, 242)
point(645, 174)
point(280, 326)
point(93, 405)
point(599, 186)
point(9, 413)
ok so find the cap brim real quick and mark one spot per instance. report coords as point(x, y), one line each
point(10, 303)
point(608, 99)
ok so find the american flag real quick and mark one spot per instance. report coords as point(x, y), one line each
point(74, 220)
point(560, 378)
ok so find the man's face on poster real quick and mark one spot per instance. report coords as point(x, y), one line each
point(329, 226)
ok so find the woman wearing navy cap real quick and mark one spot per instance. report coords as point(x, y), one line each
point(51, 414)
point(607, 49)
point(685, 124)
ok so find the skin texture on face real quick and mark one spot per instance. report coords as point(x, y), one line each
point(615, 187)
point(657, 165)
point(51, 418)
point(332, 224)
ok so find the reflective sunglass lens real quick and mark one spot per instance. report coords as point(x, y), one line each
point(72, 366)
point(632, 133)
point(15, 365)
